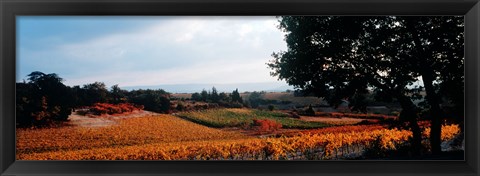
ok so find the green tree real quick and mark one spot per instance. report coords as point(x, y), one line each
point(436, 52)
point(78, 96)
point(26, 101)
point(224, 97)
point(43, 99)
point(236, 96)
point(196, 96)
point(117, 94)
point(152, 100)
point(358, 102)
point(205, 96)
point(338, 56)
point(96, 93)
point(255, 99)
point(214, 97)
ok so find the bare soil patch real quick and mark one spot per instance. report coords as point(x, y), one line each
point(104, 120)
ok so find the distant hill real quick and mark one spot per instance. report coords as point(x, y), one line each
point(242, 87)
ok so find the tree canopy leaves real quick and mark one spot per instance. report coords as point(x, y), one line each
point(338, 57)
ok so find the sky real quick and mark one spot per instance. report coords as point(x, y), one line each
point(148, 51)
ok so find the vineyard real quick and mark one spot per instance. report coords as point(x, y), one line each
point(285, 87)
point(167, 137)
point(244, 117)
point(128, 132)
point(303, 146)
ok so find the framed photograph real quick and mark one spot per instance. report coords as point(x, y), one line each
point(239, 87)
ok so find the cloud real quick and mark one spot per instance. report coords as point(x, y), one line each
point(226, 72)
point(173, 50)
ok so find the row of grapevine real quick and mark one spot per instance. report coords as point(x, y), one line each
point(303, 146)
point(127, 132)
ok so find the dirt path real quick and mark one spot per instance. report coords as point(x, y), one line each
point(103, 121)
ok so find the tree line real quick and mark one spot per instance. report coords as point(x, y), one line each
point(223, 99)
point(234, 100)
point(43, 99)
point(341, 57)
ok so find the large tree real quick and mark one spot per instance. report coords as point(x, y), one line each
point(214, 95)
point(152, 100)
point(118, 95)
point(96, 92)
point(235, 96)
point(436, 47)
point(204, 95)
point(43, 99)
point(339, 56)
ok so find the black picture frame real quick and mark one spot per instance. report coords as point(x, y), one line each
point(9, 9)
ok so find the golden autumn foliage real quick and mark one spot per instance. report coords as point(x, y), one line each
point(448, 131)
point(167, 137)
point(128, 132)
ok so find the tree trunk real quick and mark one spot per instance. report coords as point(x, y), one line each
point(435, 113)
point(428, 77)
point(409, 114)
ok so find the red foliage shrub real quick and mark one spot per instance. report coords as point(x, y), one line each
point(266, 125)
point(105, 108)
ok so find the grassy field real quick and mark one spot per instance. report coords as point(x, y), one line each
point(243, 117)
